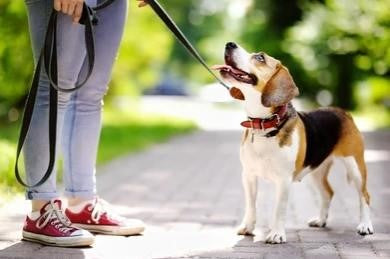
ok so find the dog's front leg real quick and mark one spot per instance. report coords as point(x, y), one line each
point(277, 234)
point(249, 182)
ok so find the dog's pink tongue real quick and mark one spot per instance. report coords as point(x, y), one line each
point(228, 68)
point(221, 67)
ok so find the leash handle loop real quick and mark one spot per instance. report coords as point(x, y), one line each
point(88, 17)
point(48, 60)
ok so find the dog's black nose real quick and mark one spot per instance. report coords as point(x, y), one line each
point(231, 45)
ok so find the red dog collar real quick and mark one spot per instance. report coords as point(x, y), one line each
point(272, 121)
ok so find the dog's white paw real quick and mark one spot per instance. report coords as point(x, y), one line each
point(276, 237)
point(317, 223)
point(365, 228)
point(246, 229)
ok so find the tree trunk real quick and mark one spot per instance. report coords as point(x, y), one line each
point(344, 88)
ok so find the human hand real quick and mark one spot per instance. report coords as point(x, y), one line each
point(73, 8)
point(142, 3)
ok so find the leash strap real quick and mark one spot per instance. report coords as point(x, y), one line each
point(50, 52)
point(48, 60)
point(164, 16)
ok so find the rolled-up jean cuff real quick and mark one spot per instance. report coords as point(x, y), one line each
point(32, 195)
point(87, 194)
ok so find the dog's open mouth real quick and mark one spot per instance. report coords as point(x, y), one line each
point(236, 73)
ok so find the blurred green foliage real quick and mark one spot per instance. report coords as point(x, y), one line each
point(16, 62)
point(341, 43)
point(341, 46)
point(7, 163)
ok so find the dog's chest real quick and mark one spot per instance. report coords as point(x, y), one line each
point(266, 158)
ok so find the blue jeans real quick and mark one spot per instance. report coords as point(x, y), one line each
point(79, 113)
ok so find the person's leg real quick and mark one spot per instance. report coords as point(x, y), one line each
point(83, 117)
point(71, 55)
point(82, 130)
point(47, 222)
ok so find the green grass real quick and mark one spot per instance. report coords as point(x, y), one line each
point(7, 161)
point(8, 137)
point(122, 133)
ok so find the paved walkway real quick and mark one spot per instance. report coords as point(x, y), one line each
point(189, 193)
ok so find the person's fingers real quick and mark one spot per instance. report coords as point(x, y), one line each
point(142, 3)
point(65, 7)
point(77, 12)
point(71, 7)
point(57, 5)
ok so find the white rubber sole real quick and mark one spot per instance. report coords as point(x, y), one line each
point(112, 230)
point(76, 241)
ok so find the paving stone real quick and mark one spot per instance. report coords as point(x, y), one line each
point(356, 249)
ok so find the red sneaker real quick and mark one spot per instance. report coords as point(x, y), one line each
point(96, 217)
point(50, 226)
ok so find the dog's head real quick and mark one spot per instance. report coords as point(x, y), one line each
point(257, 76)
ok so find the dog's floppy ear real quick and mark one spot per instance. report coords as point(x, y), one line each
point(236, 93)
point(279, 90)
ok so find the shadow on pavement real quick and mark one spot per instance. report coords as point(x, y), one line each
point(25, 249)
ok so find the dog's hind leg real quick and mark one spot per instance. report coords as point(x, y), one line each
point(356, 169)
point(320, 178)
point(247, 226)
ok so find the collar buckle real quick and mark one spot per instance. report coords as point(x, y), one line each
point(275, 115)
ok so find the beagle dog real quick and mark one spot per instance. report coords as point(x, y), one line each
point(283, 145)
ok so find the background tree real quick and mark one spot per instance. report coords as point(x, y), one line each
point(341, 43)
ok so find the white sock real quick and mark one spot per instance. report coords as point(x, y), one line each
point(34, 215)
point(79, 207)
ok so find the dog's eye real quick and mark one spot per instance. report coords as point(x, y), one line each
point(260, 57)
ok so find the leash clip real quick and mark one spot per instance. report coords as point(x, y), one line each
point(89, 13)
point(268, 119)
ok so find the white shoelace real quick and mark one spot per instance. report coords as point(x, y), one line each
point(99, 207)
point(60, 221)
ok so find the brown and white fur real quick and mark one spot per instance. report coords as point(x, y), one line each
point(292, 153)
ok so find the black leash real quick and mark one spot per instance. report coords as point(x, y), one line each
point(164, 16)
point(48, 59)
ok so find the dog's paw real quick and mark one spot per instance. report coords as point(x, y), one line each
point(317, 223)
point(245, 230)
point(276, 237)
point(365, 228)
